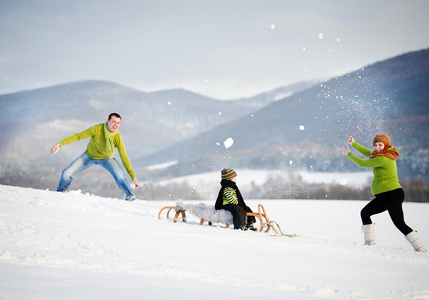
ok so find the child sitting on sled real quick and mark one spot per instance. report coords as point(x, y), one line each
point(230, 199)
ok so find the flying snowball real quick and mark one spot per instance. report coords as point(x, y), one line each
point(228, 143)
point(320, 35)
point(301, 127)
point(273, 26)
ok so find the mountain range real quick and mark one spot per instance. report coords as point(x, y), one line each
point(150, 121)
point(307, 128)
point(299, 126)
point(35, 120)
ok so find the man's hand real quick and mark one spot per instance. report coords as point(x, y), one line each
point(137, 183)
point(55, 148)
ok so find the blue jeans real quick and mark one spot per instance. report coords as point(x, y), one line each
point(84, 161)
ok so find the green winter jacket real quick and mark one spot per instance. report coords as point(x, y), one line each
point(230, 196)
point(96, 148)
point(384, 170)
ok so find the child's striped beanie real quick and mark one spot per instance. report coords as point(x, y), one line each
point(228, 174)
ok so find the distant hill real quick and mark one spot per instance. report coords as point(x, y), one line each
point(151, 121)
point(306, 129)
point(301, 126)
point(263, 99)
point(33, 121)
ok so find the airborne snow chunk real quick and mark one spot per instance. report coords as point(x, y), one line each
point(228, 143)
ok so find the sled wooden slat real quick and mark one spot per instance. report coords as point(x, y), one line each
point(263, 218)
point(264, 221)
point(176, 216)
point(210, 223)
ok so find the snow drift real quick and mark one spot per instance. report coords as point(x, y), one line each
point(78, 246)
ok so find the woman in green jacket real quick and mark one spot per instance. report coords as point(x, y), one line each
point(385, 187)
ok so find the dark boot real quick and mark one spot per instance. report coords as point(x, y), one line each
point(250, 227)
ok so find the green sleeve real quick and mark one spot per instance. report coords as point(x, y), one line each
point(124, 157)
point(366, 163)
point(78, 136)
point(362, 150)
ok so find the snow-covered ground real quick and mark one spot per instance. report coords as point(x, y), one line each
point(76, 246)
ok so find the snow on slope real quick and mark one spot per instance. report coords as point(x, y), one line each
point(76, 246)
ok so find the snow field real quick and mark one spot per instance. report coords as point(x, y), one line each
point(76, 246)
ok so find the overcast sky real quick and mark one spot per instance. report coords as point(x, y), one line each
point(220, 48)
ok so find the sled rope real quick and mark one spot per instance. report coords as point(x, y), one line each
point(279, 232)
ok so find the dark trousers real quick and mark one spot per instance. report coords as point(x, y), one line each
point(239, 216)
point(390, 201)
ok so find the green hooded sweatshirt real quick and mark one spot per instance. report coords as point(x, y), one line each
point(96, 148)
point(384, 170)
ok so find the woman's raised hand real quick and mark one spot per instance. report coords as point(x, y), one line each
point(345, 151)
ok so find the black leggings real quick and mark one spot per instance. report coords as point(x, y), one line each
point(390, 201)
point(239, 215)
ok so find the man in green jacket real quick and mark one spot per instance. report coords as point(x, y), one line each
point(100, 151)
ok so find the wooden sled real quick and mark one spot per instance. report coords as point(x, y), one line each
point(176, 216)
point(261, 215)
point(266, 222)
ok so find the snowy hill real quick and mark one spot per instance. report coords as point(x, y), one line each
point(151, 121)
point(35, 120)
point(78, 246)
point(308, 127)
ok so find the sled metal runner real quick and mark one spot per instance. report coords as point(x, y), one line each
point(264, 221)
